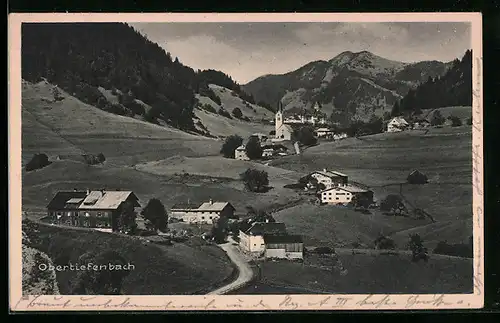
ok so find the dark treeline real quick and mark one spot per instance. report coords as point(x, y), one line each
point(454, 88)
point(80, 57)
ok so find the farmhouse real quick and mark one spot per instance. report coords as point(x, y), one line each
point(329, 178)
point(206, 213)
point(252, 239)
point(344, 194)
point(240, 153)
point(397, 124)
point(324, 133)
point(268, 152)
point(284, 246)
point(339, 136)
point(91, 209)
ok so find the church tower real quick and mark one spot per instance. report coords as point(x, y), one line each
point(279, 116)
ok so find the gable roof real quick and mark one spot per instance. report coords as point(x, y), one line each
point(241, 148)
point(347, 188)
point(263, 228)
point(284, 238)
point(214, 206)
point(185, 206)
point(329, 173)
point(399, 120)
point(106, 200)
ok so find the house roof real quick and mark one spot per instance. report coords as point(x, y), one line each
point(185, 206)
point(263, 228)
point(240, 148)
point(399, 120)
point(284, 238)
point(214, 206)
point(330, 173)
point(324, 129)
point(60, 200)
point(106, 200)
point(347, 188)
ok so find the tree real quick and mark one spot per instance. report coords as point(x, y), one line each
point(38, 161)
point(101, 282)
point(127, 217)
point(455, 121)
point(253, 148)
point(437, 118)
point(156, 214)
point(230, 144)
point(305, 135)
point(417, 248)
point(237, 113)
point(393, 204)
point(362, 201)
point(396, 110)
point(259, 215)
point(255, 180)
point(101, 158)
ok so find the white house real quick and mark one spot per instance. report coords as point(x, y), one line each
point(205, 213)
point(240, 153)
point(397, 124)
point(268, 152)
point(284, 247)
point(330, 178)
point(339, 136)
point(324, 132)
point(343, 194)
point(252, 239)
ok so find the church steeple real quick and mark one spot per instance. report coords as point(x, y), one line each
point(279, 116)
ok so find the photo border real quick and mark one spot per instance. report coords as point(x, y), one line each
point(237, 302)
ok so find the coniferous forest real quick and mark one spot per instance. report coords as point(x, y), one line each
point(454, 88)
point(80, 57)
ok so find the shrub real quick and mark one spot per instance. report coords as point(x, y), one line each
point(37, 162)
point(393, 204)
point(385, 243)
point(455, 121)
point(417, 248)
point(209, 108)
point(324, 250)
point(237, 113)
point(437, 118)
point(224, 113)
point(101, 158)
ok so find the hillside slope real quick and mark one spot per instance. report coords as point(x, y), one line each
point(353, 85)
point(70, 126)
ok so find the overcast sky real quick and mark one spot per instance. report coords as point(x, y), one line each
point(246, 51)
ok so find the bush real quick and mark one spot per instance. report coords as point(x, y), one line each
point(224, 113)
point(385, 243)
point(324, 250)
point(37, 162)
point(455, 121)
point(417, 248)
point(237, 113)
point(437, 118)
point(155, 213)
point(209, 108)
point(255, 180)
point(393, 204)
point(101, 158)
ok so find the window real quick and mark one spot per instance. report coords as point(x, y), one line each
point(203, 218)
point(59, 213)
point(99, 214)
point(336, 198)
point(210, 218)
point(330, 193)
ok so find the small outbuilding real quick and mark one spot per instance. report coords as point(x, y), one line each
point(416, 177)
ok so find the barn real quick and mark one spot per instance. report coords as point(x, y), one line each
point(284, 246)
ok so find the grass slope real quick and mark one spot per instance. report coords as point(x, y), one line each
point(159, 270)
point(123, 140)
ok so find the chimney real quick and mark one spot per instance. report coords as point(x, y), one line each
point(267, 220)
point(324, 169)
point(88, 191)
point(211, 201)
point(74, 190)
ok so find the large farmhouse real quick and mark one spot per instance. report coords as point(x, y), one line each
point(329, 178)
point(252, 239)
point(91, 209)
point(344, 194)
point(206, 213)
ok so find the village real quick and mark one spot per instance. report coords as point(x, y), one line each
point(256, 235)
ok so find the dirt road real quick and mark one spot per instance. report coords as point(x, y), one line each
point(245, 273)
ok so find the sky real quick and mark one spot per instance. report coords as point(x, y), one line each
point(246, 51)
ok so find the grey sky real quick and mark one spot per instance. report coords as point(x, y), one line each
point(246, 51)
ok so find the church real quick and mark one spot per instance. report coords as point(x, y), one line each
point(285, 126)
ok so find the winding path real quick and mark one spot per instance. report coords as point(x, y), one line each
point(245, 272)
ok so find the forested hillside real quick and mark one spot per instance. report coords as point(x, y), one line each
point(81, 57)
point(454, 88)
